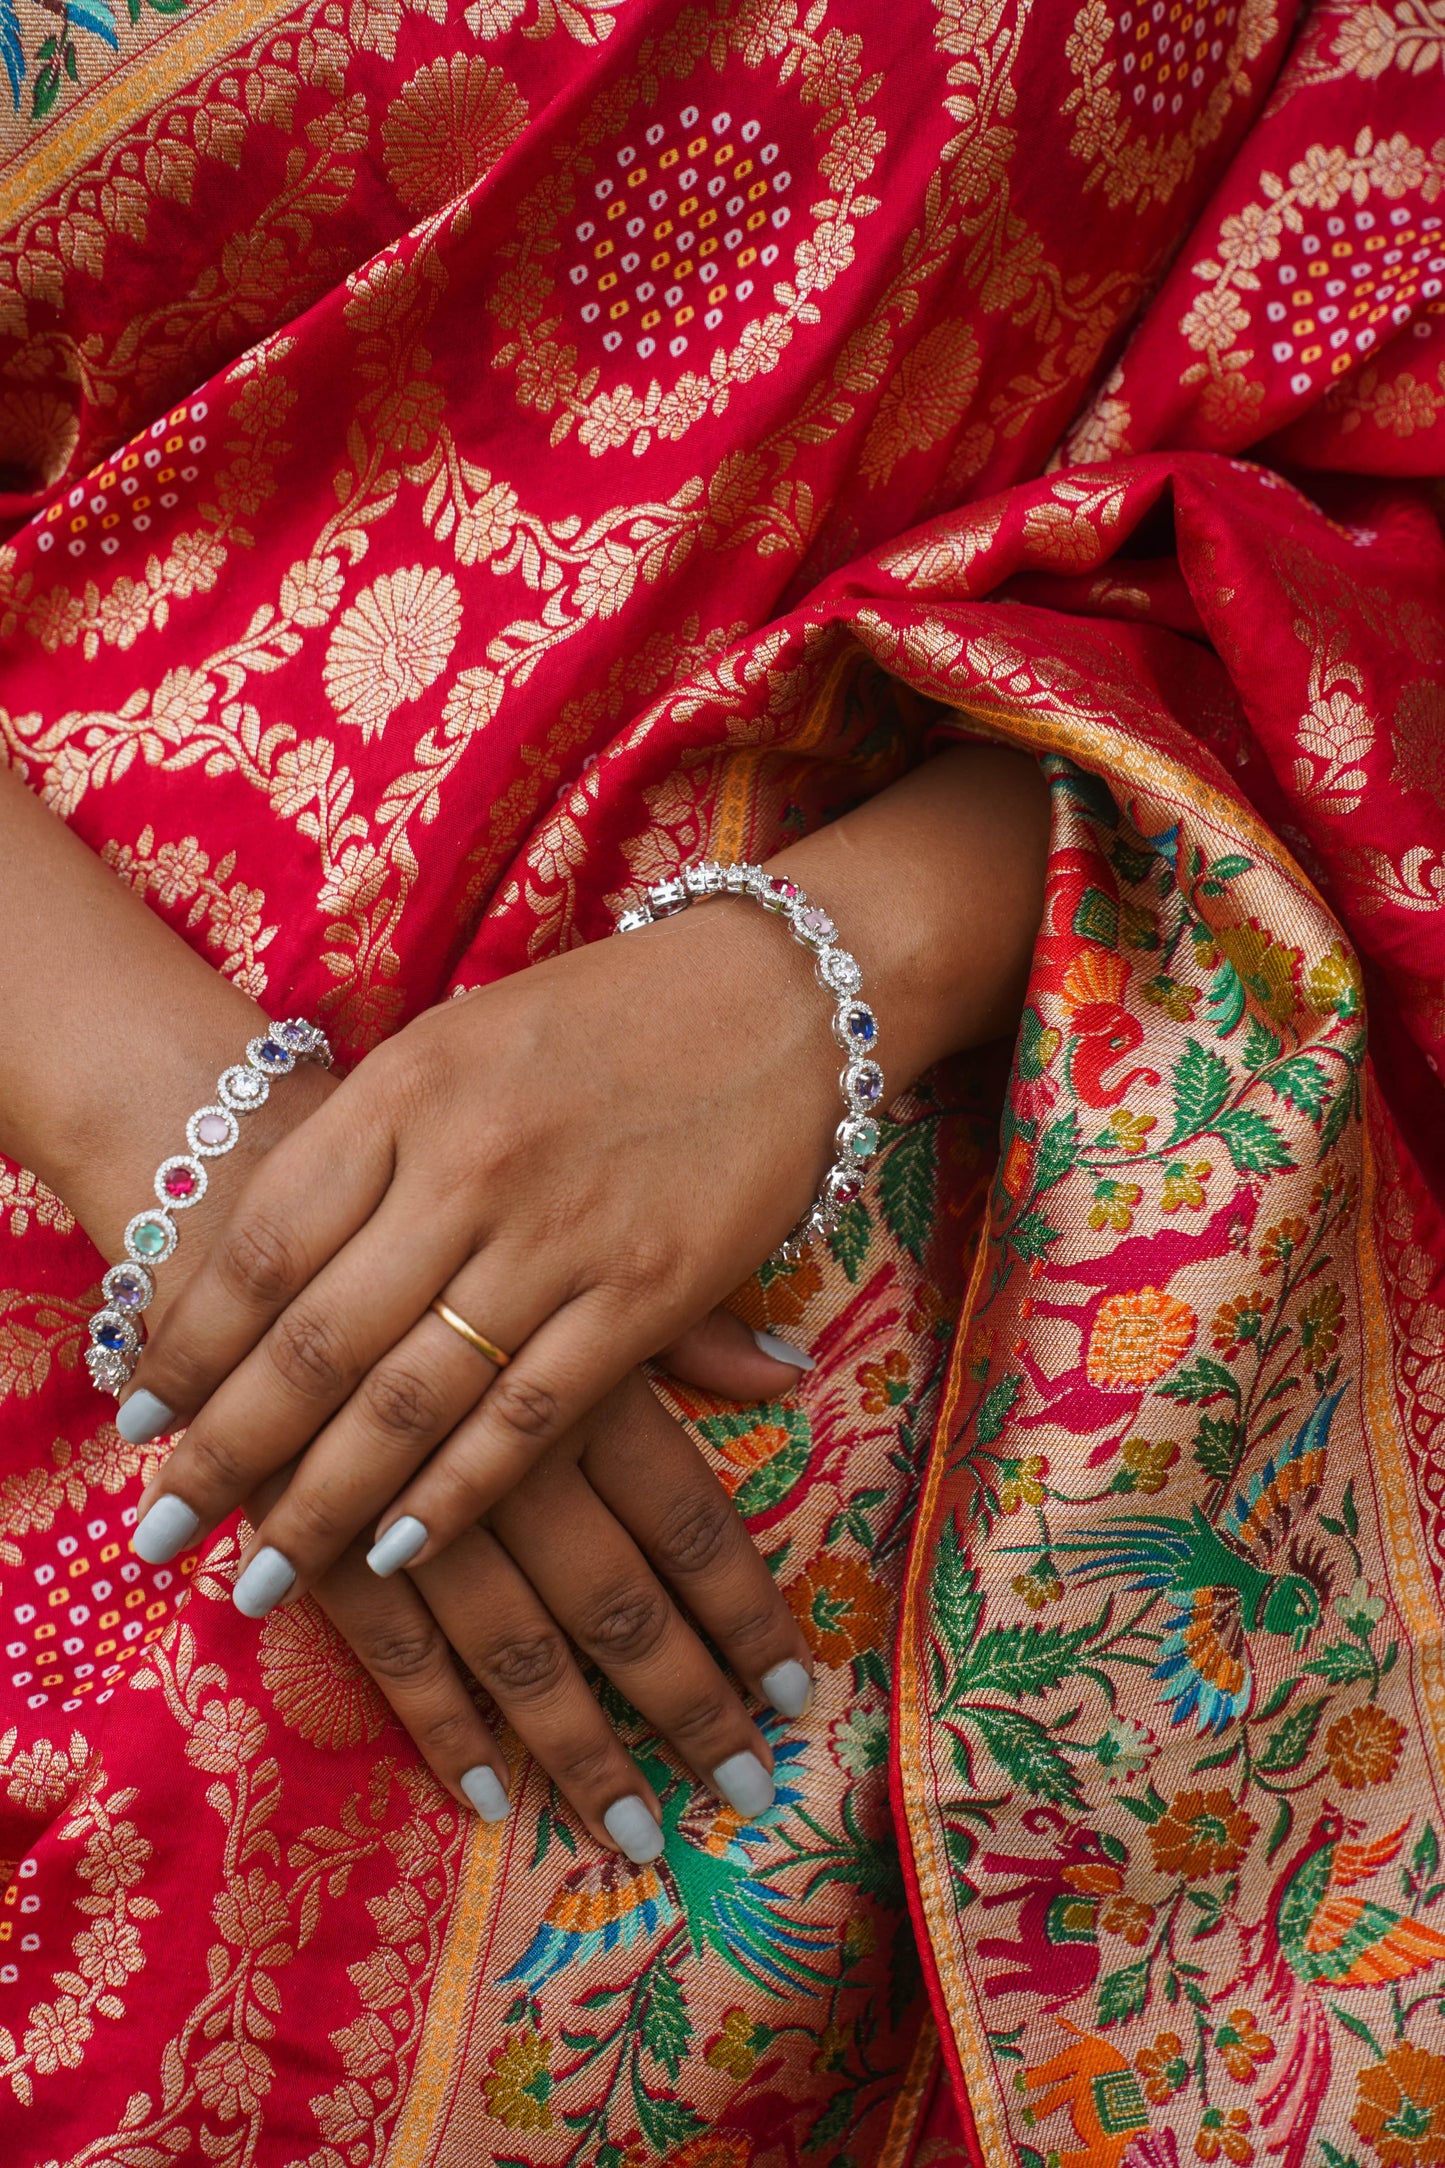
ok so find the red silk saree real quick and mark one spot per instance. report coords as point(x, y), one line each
point(460, 462)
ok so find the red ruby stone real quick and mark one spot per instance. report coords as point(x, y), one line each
point(180, 1182)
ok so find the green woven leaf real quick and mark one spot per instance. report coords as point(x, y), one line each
point(1216, 1446)
point(1124, 1993)
point(1287, 1746)
point(1253, 1143)
point(1201, 1086)
point(1260, 1045)
point(1025, 1751)
point(1302, 1082)
point(1032, 1235)
point(1096, 917)
point(1341, 1662)
point(1198, 1382)
point(850, 1238)
point(667, 2027)
point(1023, 1659)
point(957, 1604)
point(908, 1186)
point(993, 1409)
point(1057, 1151)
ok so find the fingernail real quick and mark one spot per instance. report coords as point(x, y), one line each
point(632, 1826)
point(143, 1417)
point(163, 1529)
point(264, 1582)
point(745, 1784)
point(783, 1351)
point(398, 1547)
point(483, 1788)
point(788, 1688)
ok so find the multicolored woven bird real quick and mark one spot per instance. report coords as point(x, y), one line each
point(709, 1876)
point(1223, 1584)
point(1319, 1934)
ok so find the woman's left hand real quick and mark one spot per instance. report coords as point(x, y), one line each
point(581, 1161)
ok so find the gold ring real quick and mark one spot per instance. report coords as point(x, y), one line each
point(469, 1333)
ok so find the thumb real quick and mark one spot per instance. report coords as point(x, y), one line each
point(723, 1355)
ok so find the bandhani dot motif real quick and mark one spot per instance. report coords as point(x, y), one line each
point(683, 236)
point(1353, 279)
point(1165, 49)
point(88, 1611)
point(123, 494)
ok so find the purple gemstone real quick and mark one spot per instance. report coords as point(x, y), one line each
point(126, 1291)
point(292, 1032)
point(869, 1085)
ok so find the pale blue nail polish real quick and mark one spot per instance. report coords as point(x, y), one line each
point(634, 1829)
point(163, 1529)
point(483, 1788)
point(398, 1547)
point(788, 1688)
point(745, 1784)
point(265, 1581)
point(144, 1417)
point(783, 1351)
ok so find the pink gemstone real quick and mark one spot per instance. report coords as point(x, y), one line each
point(818, 922)
point(213, 1129)
point(180, 1182)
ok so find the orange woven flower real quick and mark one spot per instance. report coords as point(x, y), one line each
point(1400, 2107)
point(1321, 1321)
point(1163, 2067)
point(711, 2150)
point(840, 1606)
point(1221, 2132)
point(1126, 1916)
point(1363, 1747)
point(1281, 1241)
point(1242, 2046)
point(1202, 1833)
point(1137, 1337)
point(884, 1384)
point(1238, 1321)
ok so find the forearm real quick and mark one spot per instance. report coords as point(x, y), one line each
point(937, 887)
point(111, 1028)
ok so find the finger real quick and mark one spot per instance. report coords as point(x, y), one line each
point(646, 1468)
point(407, 1654)
point(570, 1361)
point(515, 1649)
point(723, 1355)
point(324, 1345)
point(411, 1399)
point(309, 1195)
point(598, 1586)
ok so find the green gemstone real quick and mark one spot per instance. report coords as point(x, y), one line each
point(149, 1239)
point(865, 1140)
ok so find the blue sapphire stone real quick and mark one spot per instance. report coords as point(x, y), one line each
point(862, 1026)
point(111, 1336)
point(271, 1052)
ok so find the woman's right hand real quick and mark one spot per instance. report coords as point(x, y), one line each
point(618, 1527)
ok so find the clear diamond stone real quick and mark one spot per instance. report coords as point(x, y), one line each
point(840, 971)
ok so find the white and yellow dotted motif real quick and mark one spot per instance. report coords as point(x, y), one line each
point(691, 241)
point(123, 495)
point(1351, 280)
point(685, 232)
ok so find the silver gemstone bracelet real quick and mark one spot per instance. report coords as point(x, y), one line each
point(116, 1337)
point(855, 1027)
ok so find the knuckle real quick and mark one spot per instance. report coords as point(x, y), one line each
point(219, 1466)
point(704, 1718)
point(403, 1404)
point(625, 1625)
point(523, 1667)
point(585, 1768)
point(526, 1408)
point(442, 1735)
point(403, 1656)
point(696, 1533)
point(755, 1627)
point(257, 1261)
point(310, 1515)
point(306, 1353)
